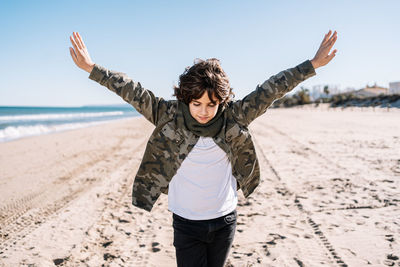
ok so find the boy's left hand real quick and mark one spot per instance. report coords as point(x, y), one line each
point(322, 56)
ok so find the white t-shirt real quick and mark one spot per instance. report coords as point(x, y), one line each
point(203, 187)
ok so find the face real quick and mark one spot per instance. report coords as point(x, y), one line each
point(202, 109)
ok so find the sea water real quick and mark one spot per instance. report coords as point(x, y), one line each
point(20, 121)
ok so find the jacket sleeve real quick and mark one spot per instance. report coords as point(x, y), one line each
point(143, 100)
point(256, 103)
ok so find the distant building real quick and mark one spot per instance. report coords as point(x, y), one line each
point(394, 88)
point(371, 91)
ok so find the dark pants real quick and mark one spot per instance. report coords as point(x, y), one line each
point(203, 242)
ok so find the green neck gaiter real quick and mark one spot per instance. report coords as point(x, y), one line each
point(209, 129)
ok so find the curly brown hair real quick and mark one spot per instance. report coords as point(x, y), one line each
point(204, 75)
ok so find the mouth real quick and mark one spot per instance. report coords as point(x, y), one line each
point(203, 118)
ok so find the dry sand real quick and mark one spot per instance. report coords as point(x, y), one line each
point(329, 195)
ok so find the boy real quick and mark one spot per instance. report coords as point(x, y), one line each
point(200, 152)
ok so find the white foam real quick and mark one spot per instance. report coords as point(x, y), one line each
point(55, 116)
point(12, 132)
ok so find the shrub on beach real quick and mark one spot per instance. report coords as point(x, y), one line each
point(339, 100)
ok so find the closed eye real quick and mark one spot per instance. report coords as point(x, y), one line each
point(211, 105)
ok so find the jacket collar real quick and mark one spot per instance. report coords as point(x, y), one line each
point(180, 125)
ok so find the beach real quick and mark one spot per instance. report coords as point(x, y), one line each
point(329, 194)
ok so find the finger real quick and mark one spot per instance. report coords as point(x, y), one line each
point(326, 37)
point(74, 44)
point(71, 51)
point(77, 40)
point(332, 55)
point(334, 36)
point(324, 40)
point(332, 42)
point(81, 40)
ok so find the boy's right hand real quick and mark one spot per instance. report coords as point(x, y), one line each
point(79, 53)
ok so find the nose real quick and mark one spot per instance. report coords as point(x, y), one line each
point(204, 111)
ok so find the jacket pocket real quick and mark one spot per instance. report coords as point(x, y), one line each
point(236, 135)
point(171, 135)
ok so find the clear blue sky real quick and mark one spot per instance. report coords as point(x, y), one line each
point(153, 42)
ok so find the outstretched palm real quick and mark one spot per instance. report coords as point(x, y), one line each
point(322, 57)
point(79, 53)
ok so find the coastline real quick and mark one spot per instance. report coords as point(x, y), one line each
point(23, 121)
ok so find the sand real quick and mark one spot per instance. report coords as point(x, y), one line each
point(329, 195)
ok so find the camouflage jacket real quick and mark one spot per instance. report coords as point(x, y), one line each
point(171, 141)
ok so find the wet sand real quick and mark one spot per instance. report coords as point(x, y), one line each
point(329, 194)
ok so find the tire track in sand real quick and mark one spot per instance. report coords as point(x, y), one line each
point(121, 235)
point(357, 186)
point(325, 247)
point(19, 218)
point(368, 194)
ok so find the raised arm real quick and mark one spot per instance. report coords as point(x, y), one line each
point(143, 100)
point(257, 102)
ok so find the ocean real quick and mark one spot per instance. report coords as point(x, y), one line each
point(19, 121)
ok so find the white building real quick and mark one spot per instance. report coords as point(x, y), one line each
point(371, 91)
point(394, 88)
